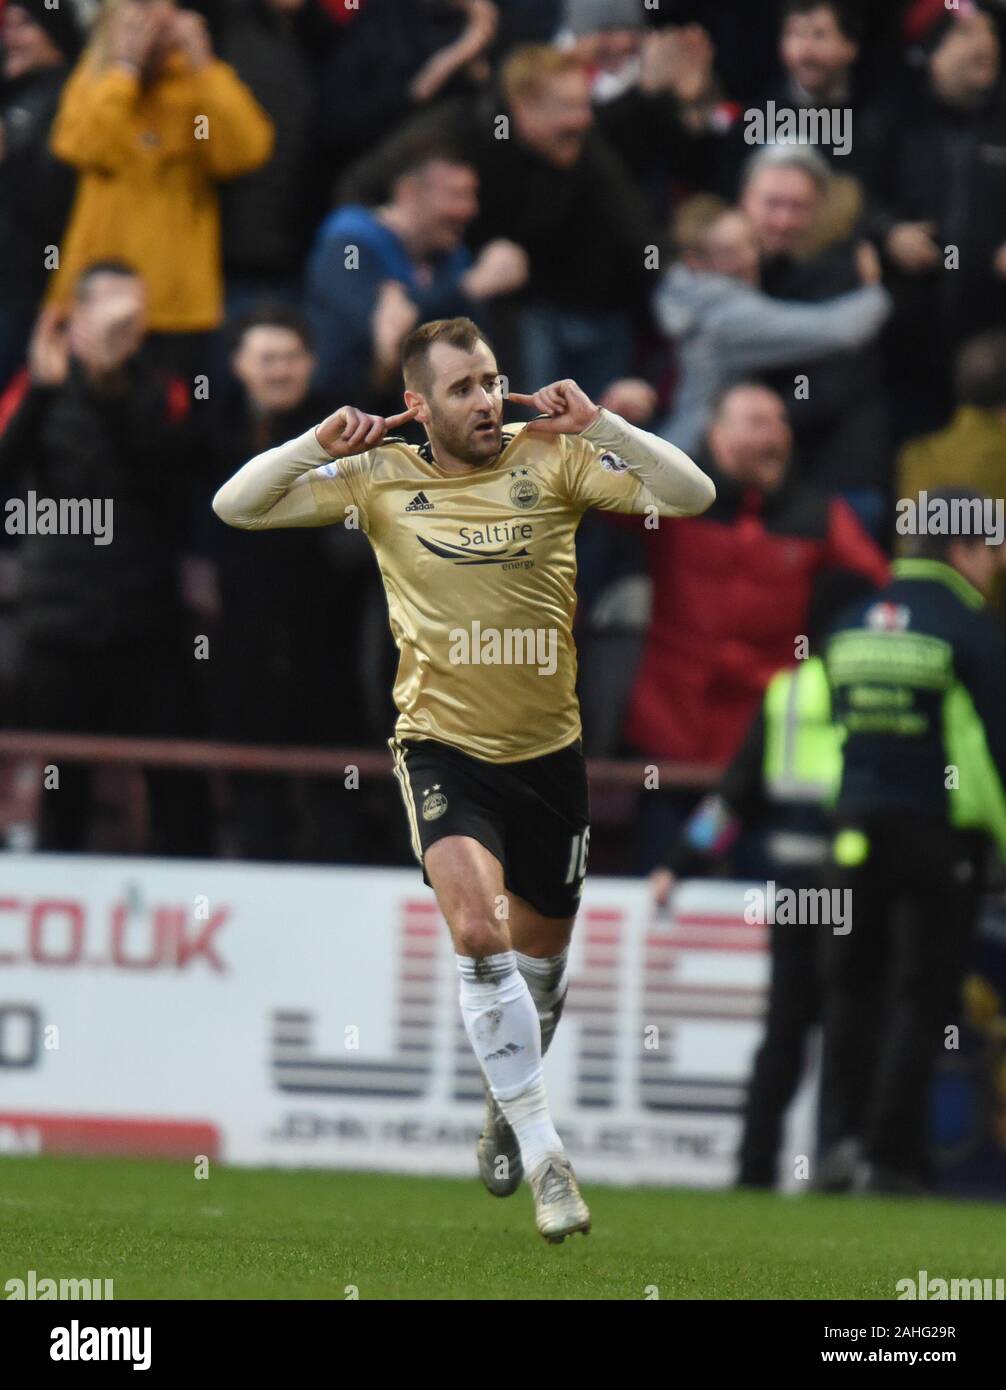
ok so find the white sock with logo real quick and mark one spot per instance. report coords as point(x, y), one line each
point(547, 980)
point(502, 1025)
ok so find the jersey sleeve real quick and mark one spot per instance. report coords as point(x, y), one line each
point(621, 468)
point(296, 484)
point(599, 478)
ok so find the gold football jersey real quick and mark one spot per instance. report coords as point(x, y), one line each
point(479, 572)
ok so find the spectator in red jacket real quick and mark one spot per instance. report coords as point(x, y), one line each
point(731, 592)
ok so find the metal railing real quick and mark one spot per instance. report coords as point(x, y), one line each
point(197, 755)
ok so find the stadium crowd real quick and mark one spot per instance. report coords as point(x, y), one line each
point(775, 233)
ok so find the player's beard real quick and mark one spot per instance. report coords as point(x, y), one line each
point(474, 447)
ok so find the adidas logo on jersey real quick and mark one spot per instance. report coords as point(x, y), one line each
point(420, 503)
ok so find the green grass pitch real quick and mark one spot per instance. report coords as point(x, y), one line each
point(268, 1233)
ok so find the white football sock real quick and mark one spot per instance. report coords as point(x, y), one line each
point(502, 1025)
point(547, 979)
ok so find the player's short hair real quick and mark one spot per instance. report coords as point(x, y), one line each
point(800, 157)
point(980, 371)
point(460, 333)
point(847, 22)
point(91, 272)
point(269, 314)
point(528, 69)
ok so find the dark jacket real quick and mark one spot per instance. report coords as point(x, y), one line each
point(646, 132)
point(841, 422)
point(585, 229)
point(273, 577)
point(918, 679)
point(731, 593)
point(137, 451)
point(36, 189)
point(276, 588)
point(365, 84)
point(268, 215)
point(937, 164)
point(867, 126)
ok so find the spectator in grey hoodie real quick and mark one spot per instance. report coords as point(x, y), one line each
point(725, 328)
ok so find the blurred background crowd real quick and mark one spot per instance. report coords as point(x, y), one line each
point(218, 223)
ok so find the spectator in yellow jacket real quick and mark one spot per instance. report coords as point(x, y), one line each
point(971, 450)
point(152, 121)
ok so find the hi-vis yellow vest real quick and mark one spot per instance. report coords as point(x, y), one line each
point(803, 747)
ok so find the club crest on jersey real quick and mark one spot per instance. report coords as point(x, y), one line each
point(434, 802)
point(420, 503)
point(888, 617)
point(524, 491)
point(613, 463)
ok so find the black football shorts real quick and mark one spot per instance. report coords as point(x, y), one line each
point(534, 816)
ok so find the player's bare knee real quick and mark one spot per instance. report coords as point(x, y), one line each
point(479, 934)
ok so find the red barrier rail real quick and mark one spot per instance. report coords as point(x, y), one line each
point(314, 762)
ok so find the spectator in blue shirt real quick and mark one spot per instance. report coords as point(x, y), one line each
point(376, 272)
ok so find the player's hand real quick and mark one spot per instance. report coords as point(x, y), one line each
point(350, 431)
point(569, 410)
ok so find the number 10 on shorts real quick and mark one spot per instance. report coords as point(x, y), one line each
point(578, 856)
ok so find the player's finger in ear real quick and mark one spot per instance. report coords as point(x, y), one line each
point(376, 432)
point(520, 398)
point(393, 421)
